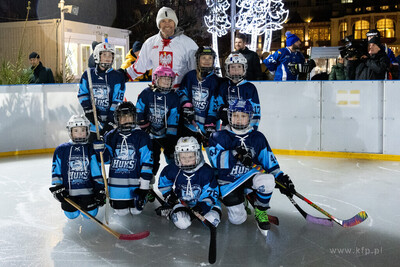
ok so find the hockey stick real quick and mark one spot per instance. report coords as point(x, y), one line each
point(136, 236)
point(103, 169)
point(310, 218)
point(212, 251)
point(356, 219)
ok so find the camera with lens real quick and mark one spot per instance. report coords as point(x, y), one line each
point(353, 48)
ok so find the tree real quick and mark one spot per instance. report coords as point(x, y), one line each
point(217, 22)
point(260, 17)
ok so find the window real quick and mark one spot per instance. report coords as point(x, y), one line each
point(86, 51)
point(299, 32)
point(119, 56)
point(368, 8)
point(319, 34)
point(358, 9)
point(384, 7)
point(347, 1)
point(342, 30)
point(361, 27)
point(386, 28)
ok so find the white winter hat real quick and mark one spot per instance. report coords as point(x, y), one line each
point(166, 13)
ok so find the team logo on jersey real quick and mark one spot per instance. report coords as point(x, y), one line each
point(166, 58)
point(78, 169)
point(101, 92)
point(190, 193)
point(157, 115)
point(200, 97)
point(124, 161)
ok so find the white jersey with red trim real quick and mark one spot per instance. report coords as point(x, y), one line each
point(177, 52)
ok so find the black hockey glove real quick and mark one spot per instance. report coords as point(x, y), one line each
point(59, 192)
point(210, 129)
point(108, 126)
point(125, 73)
point(223, 114)
point(164, 210)
point(198, 209)
point(284, 180)
point(140, 198)
point(188, 114)
point(100, 196)
point(171, 199)
point(98, 146)
point(89, 115)
point(243, 155)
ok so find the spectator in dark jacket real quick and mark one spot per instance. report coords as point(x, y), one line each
point(41, 74)
point(371, 67)
point(253, 61)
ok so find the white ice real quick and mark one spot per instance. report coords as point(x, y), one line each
point(35, 232)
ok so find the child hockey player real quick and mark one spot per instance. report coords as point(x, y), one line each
point(76, 173)
point(236, 87)
point(108, 90)
point(197, 94)
point(158, 114)
point(233, 151)
point(192, 180)
point(128, 150)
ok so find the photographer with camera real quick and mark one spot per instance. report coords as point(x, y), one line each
point(371, 66)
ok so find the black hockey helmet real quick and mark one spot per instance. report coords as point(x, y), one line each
point(205, 50)
point(124, 109)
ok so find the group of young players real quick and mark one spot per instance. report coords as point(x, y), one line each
point(219, 114)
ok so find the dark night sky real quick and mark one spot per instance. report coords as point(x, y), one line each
point(101, 12)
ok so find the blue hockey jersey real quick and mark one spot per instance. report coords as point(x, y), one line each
point(198, 187)
point(229, 92)
point(108, 91)
point(161, 110)
point(279, 60)
point(75, 166)
point(202, 95)
point(232, 173)
point(131, 162)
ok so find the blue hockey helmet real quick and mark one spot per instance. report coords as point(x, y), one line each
point(237, 114)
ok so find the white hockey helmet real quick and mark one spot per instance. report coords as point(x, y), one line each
point(78, 121)
point(100, 48)
point(235, 58)
point(186, 145)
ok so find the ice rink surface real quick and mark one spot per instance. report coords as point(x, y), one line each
point(35, 232)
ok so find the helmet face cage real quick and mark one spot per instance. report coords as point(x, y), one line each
point(243, 106)
point(160, 72)
point(124, 109)
point(78, 121)
point(205, 50)
point(235, 58)
point(100, 48)
point(187, 145)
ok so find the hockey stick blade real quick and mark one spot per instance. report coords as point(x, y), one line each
point(357, 219)
point(136, 236)
point(310, 218)
point(212, 252)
